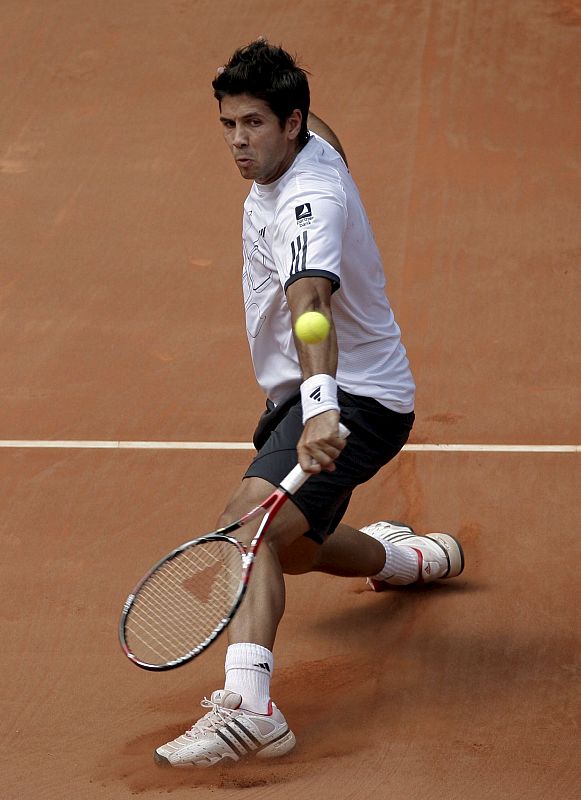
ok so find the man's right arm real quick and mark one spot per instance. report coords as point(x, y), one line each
point(324, 131)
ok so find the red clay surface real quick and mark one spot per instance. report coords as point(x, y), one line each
point(120, 318)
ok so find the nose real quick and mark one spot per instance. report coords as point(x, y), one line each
point(240, 138)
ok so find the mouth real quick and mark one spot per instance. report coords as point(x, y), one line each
point(244, 162)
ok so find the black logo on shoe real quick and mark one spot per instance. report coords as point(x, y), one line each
point(316, 394)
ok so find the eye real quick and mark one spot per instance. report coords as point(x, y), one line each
point(255, 123)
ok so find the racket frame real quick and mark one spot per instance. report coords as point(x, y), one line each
point(269, 507)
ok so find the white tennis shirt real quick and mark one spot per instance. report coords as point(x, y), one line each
point(311, 221)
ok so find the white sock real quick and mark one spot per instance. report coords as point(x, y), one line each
point(248, 672)
point(401, 564)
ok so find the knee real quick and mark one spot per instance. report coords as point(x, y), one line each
point(250, 493)
point(246, 498)
point(227, 517)
point(300, 557)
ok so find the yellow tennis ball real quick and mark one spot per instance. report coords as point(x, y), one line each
point(312, 327)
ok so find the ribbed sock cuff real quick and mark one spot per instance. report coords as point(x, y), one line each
point(401, 564)
point(249, 669)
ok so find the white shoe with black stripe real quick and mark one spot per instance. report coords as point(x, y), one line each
point(228, 731)
point(440, 555)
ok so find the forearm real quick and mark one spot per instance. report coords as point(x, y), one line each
point(314, 294)
point(320, 443)
point(320, 358)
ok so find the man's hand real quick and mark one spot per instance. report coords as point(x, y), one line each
point(320, 443)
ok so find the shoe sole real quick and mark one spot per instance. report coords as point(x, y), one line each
point(280, 747)
point(454, 553)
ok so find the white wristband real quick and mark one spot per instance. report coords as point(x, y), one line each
point(318, 394)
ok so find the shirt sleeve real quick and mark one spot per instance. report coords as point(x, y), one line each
point(308, 236)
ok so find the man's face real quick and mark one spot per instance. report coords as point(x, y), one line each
point(262, 150)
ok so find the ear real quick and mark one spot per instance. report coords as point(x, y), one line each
point(293, 124)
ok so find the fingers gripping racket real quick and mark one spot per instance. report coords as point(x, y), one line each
point(189, 597)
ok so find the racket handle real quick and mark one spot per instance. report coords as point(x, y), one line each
point(297, 476)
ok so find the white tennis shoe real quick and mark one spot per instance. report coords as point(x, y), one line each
point(440, 555)
point(228, 731)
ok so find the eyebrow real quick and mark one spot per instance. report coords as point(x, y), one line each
point(244, 117)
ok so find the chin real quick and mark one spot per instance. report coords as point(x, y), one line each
point(247, 172)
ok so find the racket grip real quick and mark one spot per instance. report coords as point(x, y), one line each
point(297, 476)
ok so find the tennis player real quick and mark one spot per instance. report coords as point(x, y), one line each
point(308, 246)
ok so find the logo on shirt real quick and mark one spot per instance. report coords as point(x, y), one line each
point(299, 253)
point(304, 215)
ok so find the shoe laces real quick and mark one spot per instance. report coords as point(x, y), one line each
point(212, 721)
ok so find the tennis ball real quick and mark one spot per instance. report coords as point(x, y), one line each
point(312, 327)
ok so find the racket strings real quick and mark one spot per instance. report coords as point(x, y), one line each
point(169, 620)
point(183, 602)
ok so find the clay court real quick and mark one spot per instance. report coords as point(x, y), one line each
point(122, 334)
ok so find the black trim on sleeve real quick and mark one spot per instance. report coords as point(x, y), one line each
point(315, 273)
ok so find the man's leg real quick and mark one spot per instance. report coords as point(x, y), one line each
point(243, 719)
point(259, 615)
point(386, 553)
point(350, 553)
point(347, 553)
point(252, 632)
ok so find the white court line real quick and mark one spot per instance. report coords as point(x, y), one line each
point(410, 448)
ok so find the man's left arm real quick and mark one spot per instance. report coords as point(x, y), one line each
point(320, 443)
point(318, 126)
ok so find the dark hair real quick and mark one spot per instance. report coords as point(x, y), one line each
point(270, 74)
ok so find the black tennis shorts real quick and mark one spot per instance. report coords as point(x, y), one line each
point(377, 434)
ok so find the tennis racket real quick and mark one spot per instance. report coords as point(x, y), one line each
point(181, 606)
